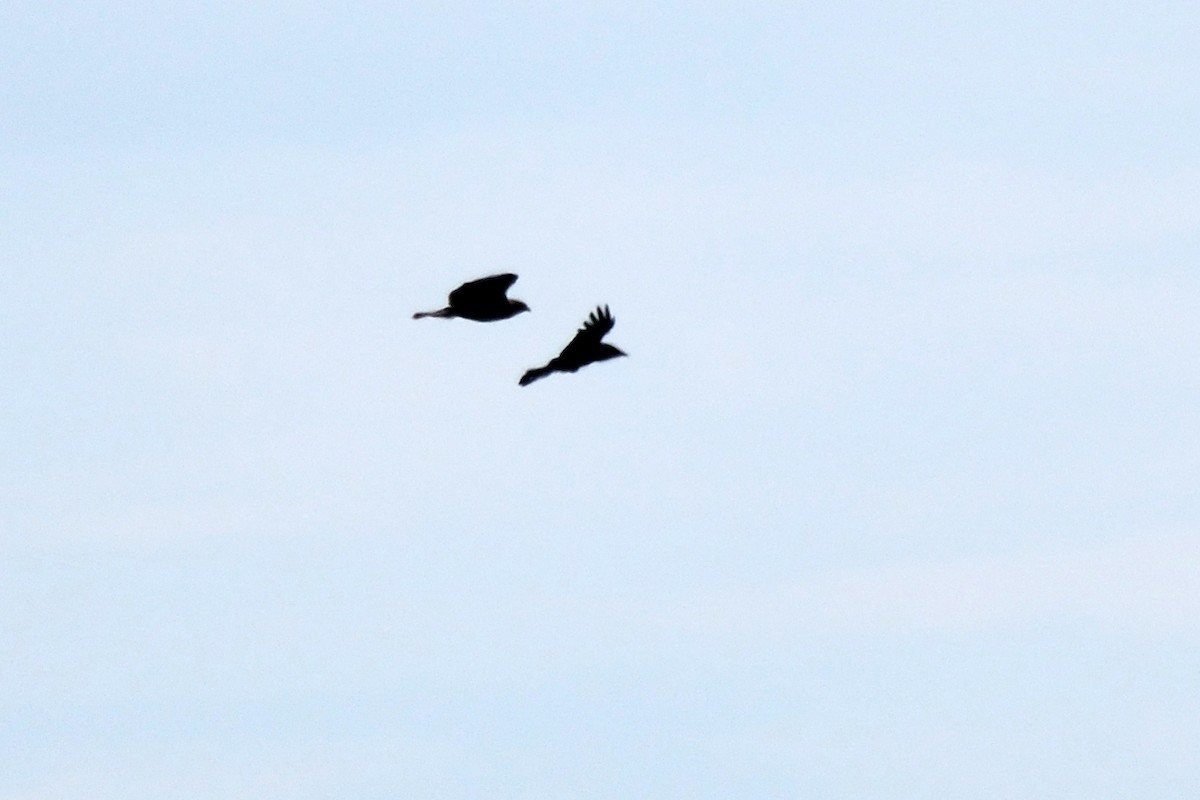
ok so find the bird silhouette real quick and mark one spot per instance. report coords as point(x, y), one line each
point(586, 348)
point(482, 300)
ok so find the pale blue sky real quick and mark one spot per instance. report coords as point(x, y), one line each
point(894, 497)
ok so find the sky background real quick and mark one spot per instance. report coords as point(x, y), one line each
point(895, 496)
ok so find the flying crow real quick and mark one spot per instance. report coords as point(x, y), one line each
point(586, 348)
point(483, 300)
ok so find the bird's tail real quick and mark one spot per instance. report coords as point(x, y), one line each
point(535, 373)
point(444, 313)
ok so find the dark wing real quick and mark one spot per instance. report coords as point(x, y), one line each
point(491, 288)
point(599, 322)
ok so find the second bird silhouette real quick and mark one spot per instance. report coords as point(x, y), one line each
point(483, 300)
point(586, 348)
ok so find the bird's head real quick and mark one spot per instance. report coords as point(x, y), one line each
point(607, 351)
point(518, 306)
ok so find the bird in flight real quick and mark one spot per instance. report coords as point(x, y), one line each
point(586, 348)
point(483, 300)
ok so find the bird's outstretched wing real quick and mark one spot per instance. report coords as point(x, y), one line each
point(598, 323)
point(492, 288)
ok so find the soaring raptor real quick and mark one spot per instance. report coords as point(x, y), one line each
point(483, 300)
